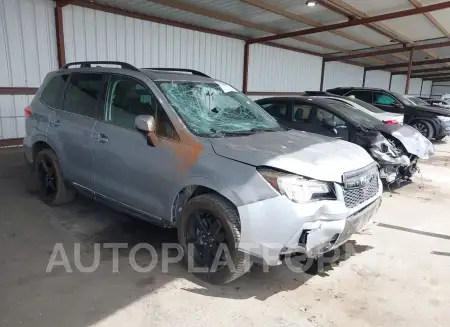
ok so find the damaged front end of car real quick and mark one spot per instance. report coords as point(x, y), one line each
point(396, 164)
point(397, 151)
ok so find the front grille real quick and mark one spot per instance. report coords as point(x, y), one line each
point(360, 186)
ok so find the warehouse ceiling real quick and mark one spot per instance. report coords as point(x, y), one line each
point(258, 19)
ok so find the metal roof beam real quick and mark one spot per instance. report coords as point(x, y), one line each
point(344, 9)
point(355, 22)
point(430, 17)
point(415, 63)
point(431, 76)
point(421, 71)
point(379, 27)
point(388, 51)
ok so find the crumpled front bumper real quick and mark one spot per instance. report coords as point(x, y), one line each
point(277, 226)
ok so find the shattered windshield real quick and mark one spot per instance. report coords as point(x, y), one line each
point(216, 108)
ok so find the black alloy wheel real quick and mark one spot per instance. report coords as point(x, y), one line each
point(205, 232)
point(47, 178)
point(209, 230)
point(424, 127)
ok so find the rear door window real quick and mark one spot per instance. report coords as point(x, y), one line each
point(278, 110)
point(382, 98)
point(53, 93)
point(365, 96)
point(83, 94)
point(301, 112)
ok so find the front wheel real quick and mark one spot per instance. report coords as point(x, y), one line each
point(425, 128)
point(209, 232)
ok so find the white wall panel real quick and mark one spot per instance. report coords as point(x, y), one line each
point(398, 83)
point(277, 70)
point(414, 86)
point(95, 35)
point(440, 88)
point(341, 74)
point(12, 120)
point(378, 78)
point(426, 88)
point(27, 42)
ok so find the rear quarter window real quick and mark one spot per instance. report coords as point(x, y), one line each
point(53, 92)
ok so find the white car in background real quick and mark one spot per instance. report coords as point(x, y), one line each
point(384, 116)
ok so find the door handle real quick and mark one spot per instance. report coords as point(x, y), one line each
point(55, 123)
point(100, 137)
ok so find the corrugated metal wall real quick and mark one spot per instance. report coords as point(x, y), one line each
point(414, 86)
point(11, 115)
point(27, 54)
point(440, 88)
point(341, 74)
point(96, 35)
point(278, 70)
point(398, 83)
point(378, 78)
point(426, 88)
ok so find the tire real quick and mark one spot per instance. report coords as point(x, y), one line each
point(61, 193)
point(223, 211)
point(425, 128)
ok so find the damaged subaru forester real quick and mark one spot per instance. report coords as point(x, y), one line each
point(180, 149)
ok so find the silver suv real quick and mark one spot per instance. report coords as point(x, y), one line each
point(180, 149)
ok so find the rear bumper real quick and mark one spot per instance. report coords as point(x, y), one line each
point(28, 150)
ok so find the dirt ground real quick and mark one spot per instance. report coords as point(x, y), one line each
point(397, 276)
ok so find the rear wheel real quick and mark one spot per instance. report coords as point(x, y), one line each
point(209, 232)
point(49, 179)
point(425, 128)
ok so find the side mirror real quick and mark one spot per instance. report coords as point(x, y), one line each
point(145, 123)
point(397, 105)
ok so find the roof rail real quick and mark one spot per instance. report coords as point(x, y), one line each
point(316, 93)
point(194, 72)
point(87, 64)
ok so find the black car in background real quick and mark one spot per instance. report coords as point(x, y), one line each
point(432, 122)
point(395, 147)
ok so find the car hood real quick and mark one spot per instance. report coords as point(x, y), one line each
point(414, 142)
point(428, 109)
point(301, 153)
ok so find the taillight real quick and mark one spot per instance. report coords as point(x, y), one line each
point(28, 111)
point(390, 122)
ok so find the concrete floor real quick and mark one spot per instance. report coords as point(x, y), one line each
point(398, 276)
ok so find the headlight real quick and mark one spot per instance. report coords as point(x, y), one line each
point(444, 118)
point(297, 188)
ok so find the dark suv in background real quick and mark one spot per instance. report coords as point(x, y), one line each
point(432, 122)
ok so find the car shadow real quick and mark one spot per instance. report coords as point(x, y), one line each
point(31, 296)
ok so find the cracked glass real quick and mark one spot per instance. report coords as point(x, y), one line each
point(216, 108)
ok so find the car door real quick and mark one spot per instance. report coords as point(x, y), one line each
point(326, 123)
point(71, 128)
point(387, 102)
point(128, 168)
